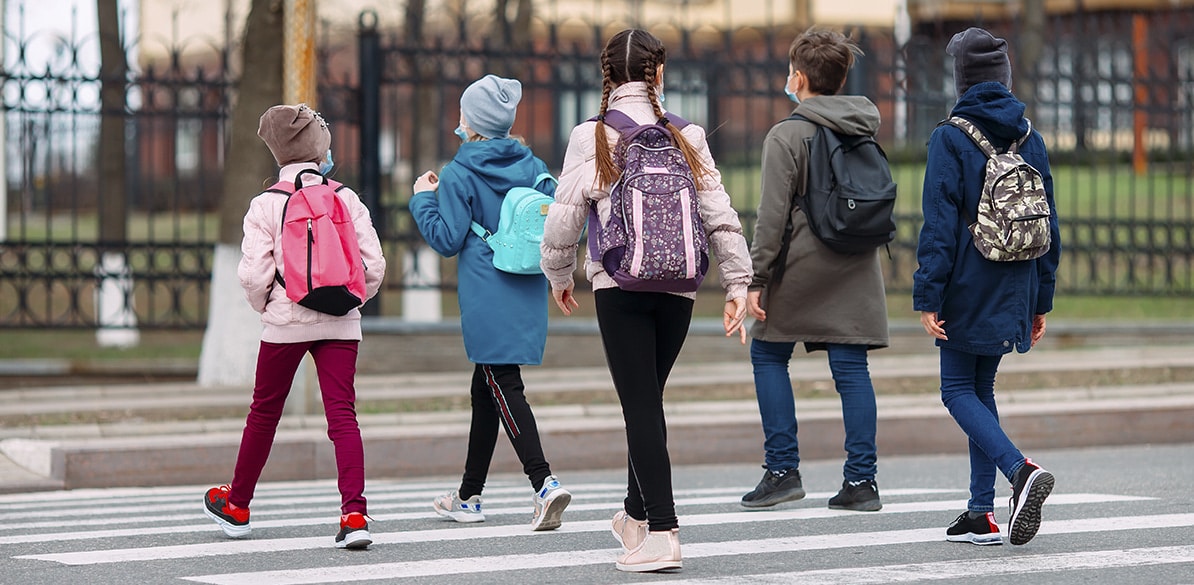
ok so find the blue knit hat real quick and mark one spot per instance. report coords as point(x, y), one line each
point(489, 105)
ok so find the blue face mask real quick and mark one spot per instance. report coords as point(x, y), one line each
point(461, 133)
point(788, 92)
point(326, 166)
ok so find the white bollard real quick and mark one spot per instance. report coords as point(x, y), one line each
point(114, 303)
point(421, 299)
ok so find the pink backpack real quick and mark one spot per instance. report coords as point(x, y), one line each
point(321, 256)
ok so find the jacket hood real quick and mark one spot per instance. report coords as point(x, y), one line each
point(851, 115)
point(501, 163)
point(995, 110)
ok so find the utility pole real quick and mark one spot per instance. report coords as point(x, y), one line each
point(298, 86)
point(298, 58)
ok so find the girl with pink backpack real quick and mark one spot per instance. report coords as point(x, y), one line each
point(299, 139)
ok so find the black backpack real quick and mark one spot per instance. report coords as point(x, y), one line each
point(849, 198)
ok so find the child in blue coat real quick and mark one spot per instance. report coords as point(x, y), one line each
point(977, 309)
point(503, 316)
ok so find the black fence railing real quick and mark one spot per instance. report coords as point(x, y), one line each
point(1115, 107)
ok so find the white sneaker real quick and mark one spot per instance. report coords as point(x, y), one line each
point(451, 506)
point(549, 501)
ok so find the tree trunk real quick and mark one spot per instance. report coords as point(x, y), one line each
point(515, 34)
point(114, 301)
point(229, 353)
point(249, 162)
point(113, 200)
point(1031, 51)
point(421, 300)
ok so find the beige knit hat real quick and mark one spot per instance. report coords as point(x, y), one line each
point(294, 134)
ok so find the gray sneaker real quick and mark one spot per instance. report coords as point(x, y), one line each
point(451, 506)
point(775, 487)
point(549, 501)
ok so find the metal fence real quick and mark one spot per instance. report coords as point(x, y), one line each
point(1114, 105)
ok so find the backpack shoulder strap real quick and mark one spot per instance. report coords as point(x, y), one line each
point(281, 187)
point(677, 121)
point(1018, 143)
point(544, 176)
point(976, 135)
point(618, 120)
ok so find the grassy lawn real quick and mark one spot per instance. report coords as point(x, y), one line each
point(1081, 191)
point(80, 344)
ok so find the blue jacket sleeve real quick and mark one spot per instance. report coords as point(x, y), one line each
point(546, 187)
point(1047, 265)
point(444, 216)
point(941, 201)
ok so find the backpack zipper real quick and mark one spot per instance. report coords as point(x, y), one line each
point(310, 246)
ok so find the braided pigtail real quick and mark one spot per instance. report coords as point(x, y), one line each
point(699, 170)
point(607, 171)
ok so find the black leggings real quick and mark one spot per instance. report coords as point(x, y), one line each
point(497, 398)
point(643, 334)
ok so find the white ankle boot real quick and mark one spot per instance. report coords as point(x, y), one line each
point(657, 552)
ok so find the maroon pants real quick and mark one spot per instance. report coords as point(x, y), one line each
point(335, 365)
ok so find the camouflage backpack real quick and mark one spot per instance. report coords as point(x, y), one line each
point(1013, 211)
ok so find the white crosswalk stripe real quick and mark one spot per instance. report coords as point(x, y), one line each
point(964, 570)
point(691, 551)
point(94, 528)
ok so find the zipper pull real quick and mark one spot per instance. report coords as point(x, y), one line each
point(310, 231)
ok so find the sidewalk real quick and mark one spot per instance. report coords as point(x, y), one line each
point(1074, 392)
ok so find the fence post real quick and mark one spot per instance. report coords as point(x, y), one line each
point(370, 115)
point(1140, 94)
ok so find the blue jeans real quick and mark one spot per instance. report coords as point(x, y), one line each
point(968, 391)
point(777, 405)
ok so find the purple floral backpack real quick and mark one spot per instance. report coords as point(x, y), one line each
point(654, 239)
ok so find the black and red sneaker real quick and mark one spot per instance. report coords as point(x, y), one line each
point(354, 531)
point(1030, 486)
point(981, 530)
point(233, 521)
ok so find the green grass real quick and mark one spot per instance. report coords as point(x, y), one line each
point(75, 344)
point(1110, 191)
point(81, 344)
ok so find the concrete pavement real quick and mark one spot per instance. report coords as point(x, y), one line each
point(1089, 385)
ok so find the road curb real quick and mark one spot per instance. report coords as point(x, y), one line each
point(593, 437)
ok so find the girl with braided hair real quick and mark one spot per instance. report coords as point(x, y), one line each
point(642, 332)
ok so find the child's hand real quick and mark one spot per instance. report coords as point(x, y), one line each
point(1038, 328)
point(753, 305)
point(426, 182)
point(735, 313)
point(564, 299)
point(932, 325)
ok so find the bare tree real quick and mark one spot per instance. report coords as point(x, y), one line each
point(113, 199)
point(229, 349)
point(426, 103)
point(514, 33)
point(114, 300)
point(249, 163)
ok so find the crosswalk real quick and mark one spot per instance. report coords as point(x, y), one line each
point(129, 529)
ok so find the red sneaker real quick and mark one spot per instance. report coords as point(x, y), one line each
point(232, 520)
point(354, 532)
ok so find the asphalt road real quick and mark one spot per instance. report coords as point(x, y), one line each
point(1118, 515)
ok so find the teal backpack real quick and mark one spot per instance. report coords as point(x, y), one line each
point(516, 242)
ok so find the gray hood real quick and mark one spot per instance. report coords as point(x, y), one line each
point(851, 115)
